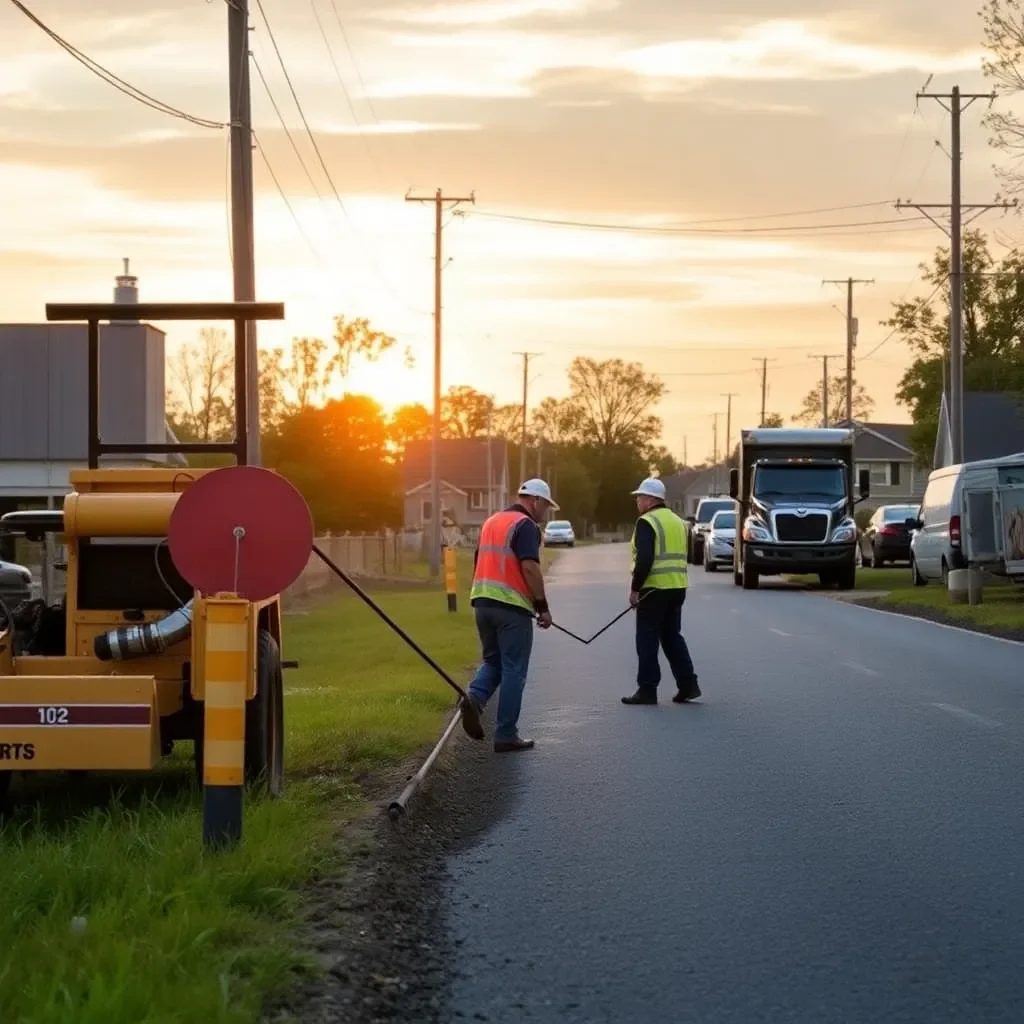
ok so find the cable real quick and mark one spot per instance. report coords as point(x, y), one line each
point(682, 230)
point(111, 79)
point(895, 330)
point(790, 213)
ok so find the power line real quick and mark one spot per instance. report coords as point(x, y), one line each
point(116, 81)
point(683, 230)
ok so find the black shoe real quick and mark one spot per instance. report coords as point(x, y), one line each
point(690, 693)
point(512, 746)
point(643, 695)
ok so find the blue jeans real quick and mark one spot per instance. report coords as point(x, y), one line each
point(506, 637)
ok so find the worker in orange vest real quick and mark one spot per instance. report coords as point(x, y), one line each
point(507, 595)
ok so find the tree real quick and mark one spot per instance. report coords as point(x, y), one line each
point(1003, 22)
point(992, 347)
point(464, 412)
point(410, 423)
point(558, 421)
point(773, 419)
point(201, 393)
point(356, 339)
point(811, 410)
point(613, 399)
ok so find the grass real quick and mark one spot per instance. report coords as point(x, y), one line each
point(869, 580)
point(1002, 607)
point(111, 913)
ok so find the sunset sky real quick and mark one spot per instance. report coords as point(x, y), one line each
point(627, 112)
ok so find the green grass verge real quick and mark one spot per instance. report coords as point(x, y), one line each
point(1002, 607)
point(175, 935)
point(869, 579)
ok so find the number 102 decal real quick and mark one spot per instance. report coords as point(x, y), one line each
point(53, 716)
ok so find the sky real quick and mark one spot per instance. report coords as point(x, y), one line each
point(641, 114)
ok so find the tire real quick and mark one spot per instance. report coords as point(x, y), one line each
point(749, 578)
point(264, 720)
point(826, 579)
point(737, 578)
point(846, 579)
point(945, 574)
point(919, 580)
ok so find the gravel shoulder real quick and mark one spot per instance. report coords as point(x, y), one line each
point(376, 931)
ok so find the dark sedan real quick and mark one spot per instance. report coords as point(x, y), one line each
point(886, 538)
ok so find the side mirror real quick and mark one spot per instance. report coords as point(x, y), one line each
point(914, 524)
point(734, 483)
point(864, 483)
point(692, 520)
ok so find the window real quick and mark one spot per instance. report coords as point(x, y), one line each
point(894, 474)
point(477, 499)
point(427, 511)
point(796, 481)
point(880, 472)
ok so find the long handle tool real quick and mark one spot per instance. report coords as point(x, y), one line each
point(470, 715)
point(569, 632)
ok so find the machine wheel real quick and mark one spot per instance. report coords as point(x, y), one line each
point(749, 578)
point(919, 580)
point(264, 720)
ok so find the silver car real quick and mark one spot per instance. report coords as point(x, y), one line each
point(719, 541)
point(559, 532)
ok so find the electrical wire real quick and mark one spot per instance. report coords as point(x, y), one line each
point(114, 80)
point(895, 330)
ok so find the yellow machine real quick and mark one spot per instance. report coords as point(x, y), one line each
point(133, 658)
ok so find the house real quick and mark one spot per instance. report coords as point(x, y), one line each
point(683, 490)
point(473, 485)
point(993, 427)
point(884, 450)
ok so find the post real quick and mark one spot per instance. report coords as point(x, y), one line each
point(434, 543)
point(956, 269)
point(490, 466)
point(243, 244)
point(527, 356)
point(451, 583)
point(728, 427)
point(764, 388)
point(824, 391)
point(229, 678)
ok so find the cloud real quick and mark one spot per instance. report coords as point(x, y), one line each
point(399, 128)
point(491, 12)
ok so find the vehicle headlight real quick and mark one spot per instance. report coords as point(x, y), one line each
point(756, 531)
point(845, 532)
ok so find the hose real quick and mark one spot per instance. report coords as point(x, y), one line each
point(129, 642)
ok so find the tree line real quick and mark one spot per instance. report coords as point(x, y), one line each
point(344, 451)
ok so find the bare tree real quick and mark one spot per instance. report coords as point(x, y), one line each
point(1003, 22)
point(201, 395)
point(356, 339)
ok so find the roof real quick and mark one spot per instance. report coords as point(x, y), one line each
point(993, 425)
point(888, 441)
point(461, 461)
point(696, 483)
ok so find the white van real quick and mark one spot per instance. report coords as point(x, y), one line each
point(938, 543)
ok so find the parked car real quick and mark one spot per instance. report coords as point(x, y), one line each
point(886, 538)
point(719, 541)
point(935, 543)
point(706, 510)
point(15, 584)
point(559, 532)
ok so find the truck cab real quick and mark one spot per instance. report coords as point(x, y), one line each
point(794, 490)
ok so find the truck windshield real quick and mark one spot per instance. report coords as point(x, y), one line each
point(797, 481)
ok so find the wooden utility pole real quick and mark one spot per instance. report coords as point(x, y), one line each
point(490, 465)
point(439, 199)
point(955, 103)
point(728, 424)
point(243, 244)
point(764, 361)
point(824, 387)
point(851, 338)
point(527, 356)
point(714, 455)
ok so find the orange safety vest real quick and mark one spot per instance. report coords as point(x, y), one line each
point(498, 575)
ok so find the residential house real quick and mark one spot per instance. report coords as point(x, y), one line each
point(683, 490)
point(472, 485)
point(993, 427)
point(884, 450)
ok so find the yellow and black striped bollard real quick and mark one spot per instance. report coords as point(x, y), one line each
point(451, 580)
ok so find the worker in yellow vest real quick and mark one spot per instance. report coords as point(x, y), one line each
point(657, 592)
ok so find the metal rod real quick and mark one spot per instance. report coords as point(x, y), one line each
point(241, 443)
point(93, 357)
point(398, 806)
point(180, 448)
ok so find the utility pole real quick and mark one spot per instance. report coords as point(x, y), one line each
point(686, 461)
point(714, 456)
point(728, 424)
point(243, 244)
point(764, 361)
point(851, 338)
point(490, 466)
point(438, 199)
point(824, 387)
point(956, 102)
point(527, 356)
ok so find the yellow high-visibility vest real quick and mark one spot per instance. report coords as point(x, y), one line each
point(669, 571)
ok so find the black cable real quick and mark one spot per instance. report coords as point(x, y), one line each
point(111, 79)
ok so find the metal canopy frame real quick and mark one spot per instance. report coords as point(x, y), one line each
point(95, 312)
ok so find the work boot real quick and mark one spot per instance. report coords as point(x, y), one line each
point(691, 692)
point(643, 695)
point(472, 725)
point(512, 746)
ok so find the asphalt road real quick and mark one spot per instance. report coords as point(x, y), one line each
point(834, 834)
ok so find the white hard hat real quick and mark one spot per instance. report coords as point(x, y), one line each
point(538, 489)
point(652, 487)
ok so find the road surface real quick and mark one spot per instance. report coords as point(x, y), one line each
point(833, 835)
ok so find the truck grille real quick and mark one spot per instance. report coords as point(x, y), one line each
point(811, 528)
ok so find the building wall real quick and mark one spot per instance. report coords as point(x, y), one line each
point(44, 389)
point(885, 490)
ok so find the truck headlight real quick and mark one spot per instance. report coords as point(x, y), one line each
point(845, 532)
point(757, 532)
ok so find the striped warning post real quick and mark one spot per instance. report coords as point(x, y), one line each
point(451, 583)
point(226, 665)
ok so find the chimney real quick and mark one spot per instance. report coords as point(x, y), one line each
point(126, 291)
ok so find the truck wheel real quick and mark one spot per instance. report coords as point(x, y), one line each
point(749, 578)
point(846, 579)
point(264, 720)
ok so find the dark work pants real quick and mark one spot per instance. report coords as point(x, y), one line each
point(659, 625)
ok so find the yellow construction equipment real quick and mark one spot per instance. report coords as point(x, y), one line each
point(135, 657)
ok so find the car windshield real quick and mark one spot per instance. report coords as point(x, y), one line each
point(899, 513)
point(708, 509)
point(796, 481)
point(559, 524)
point(724, 521)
